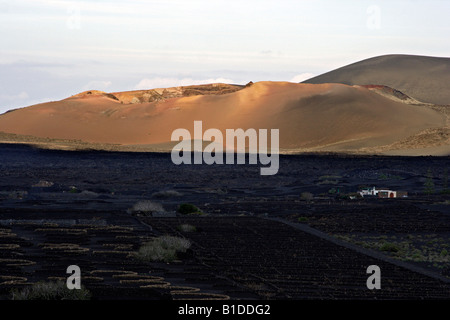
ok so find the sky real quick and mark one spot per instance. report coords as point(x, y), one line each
point(50, 50)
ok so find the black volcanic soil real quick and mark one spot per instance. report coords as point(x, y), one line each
point(277, 261)
point(260, 238)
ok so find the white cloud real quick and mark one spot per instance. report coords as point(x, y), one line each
point(159, 82)
point(302, 77)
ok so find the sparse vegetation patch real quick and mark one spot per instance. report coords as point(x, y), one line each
point(147, 206)
point(50, 291)
point(163, 248)
point(187, 228)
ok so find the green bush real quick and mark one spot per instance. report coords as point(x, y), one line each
point(74, 190)
point(163, 248)
point(50, 291)
point(332, 191)
point(187, 208)
point(389, 247)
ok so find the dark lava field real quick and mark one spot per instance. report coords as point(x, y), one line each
point(299, 234)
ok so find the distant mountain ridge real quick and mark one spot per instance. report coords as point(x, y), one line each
point(424, 78)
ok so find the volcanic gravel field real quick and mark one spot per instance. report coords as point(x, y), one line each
point(260, 236)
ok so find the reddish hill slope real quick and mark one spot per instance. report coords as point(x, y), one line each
point(325, 117)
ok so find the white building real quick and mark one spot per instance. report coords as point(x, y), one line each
point(368, 192)
point(383, 193)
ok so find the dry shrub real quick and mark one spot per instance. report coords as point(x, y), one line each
point(163, 248)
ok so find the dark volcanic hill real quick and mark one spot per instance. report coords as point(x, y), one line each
point(424, 78)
